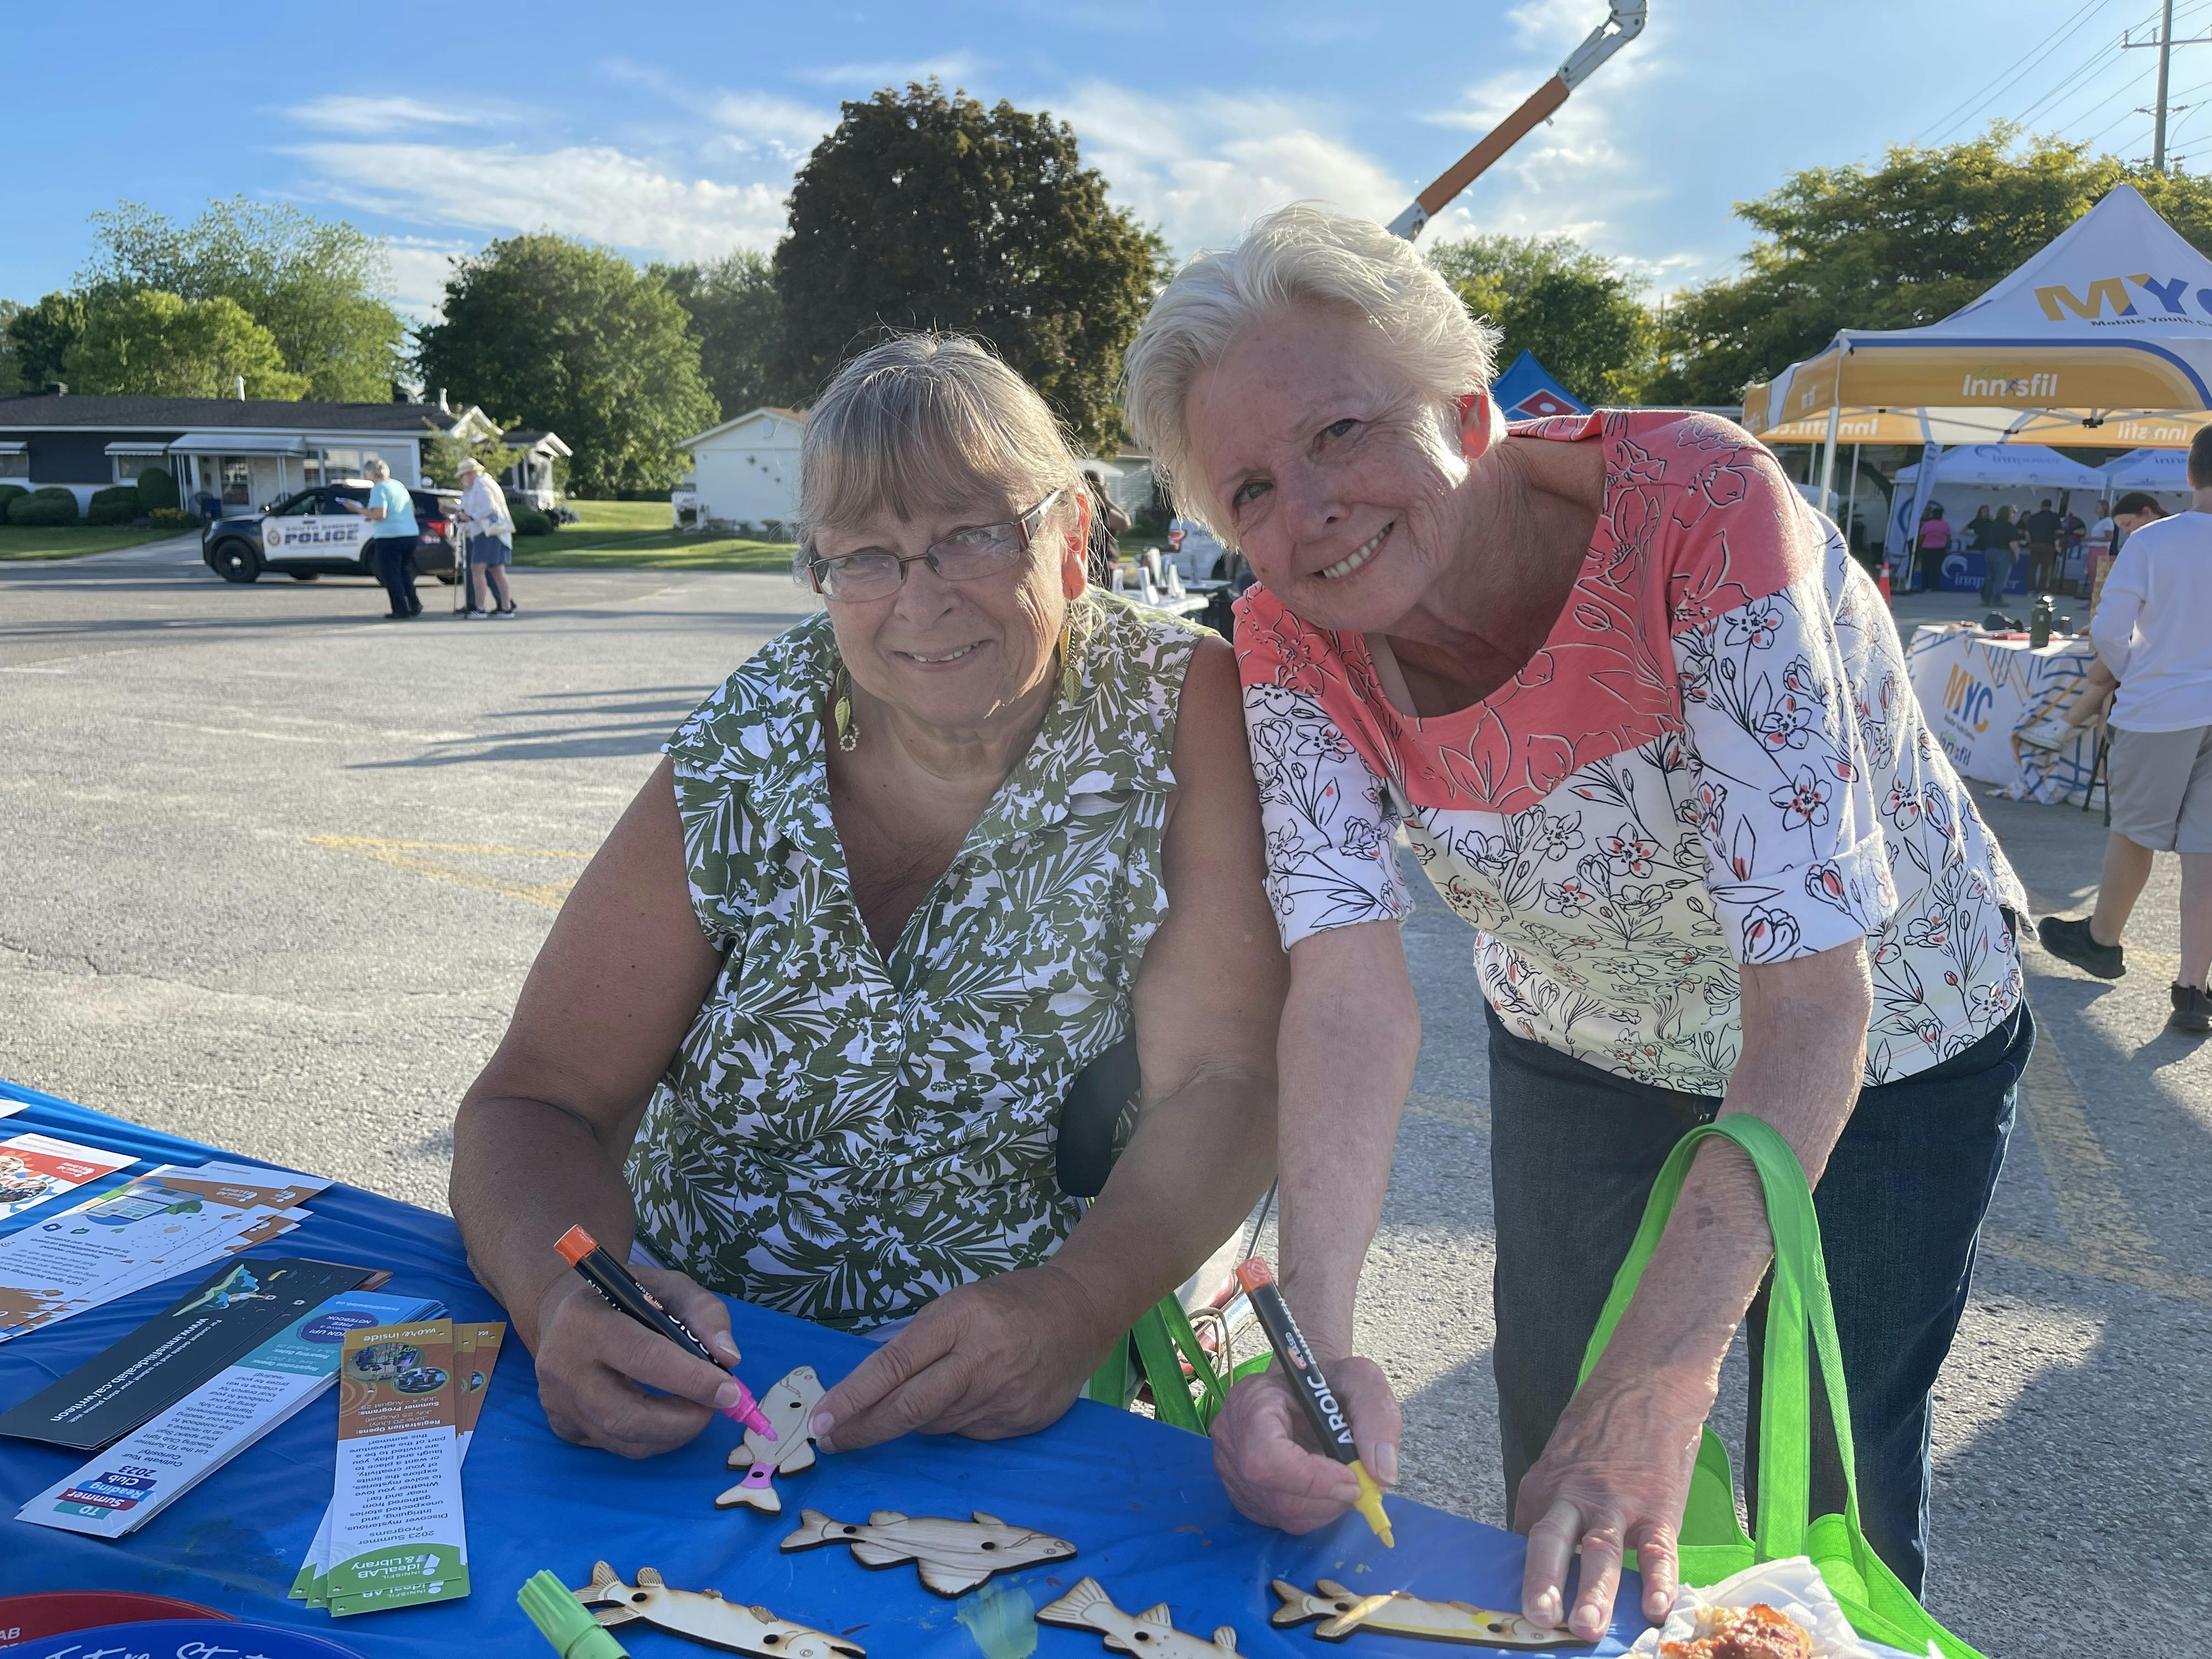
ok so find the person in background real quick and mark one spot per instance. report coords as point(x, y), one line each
point(2154, 629)
point(1108, 521)
point(2001, 545)
point(2129, 513)
point(2044, 527)
point(391, 543)
point(491, 539)
point(1935, 542)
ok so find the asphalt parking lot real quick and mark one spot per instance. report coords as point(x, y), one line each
point(274, 871)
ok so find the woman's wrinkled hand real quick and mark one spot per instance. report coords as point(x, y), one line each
point(595, 1366)
point(1274, 1469)
point(1614, 1476)
point(1001, 1357)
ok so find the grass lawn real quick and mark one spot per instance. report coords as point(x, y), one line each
point(636, 535)
point(72, 541)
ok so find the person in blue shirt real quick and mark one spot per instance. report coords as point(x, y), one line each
point(391, 538)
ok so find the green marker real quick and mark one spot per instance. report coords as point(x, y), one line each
point(563, 1621)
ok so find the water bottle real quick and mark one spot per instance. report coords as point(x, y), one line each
point(2038, 623)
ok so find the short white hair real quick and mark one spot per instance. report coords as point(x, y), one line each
point(1308, 254)
point(375, 467)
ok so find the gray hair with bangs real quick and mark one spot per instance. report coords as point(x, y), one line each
point(924, 421)
point(1303, 253)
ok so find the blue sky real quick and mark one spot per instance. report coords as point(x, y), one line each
point(672, 130)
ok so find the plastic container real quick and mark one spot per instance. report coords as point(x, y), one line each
point(58, 1613)
point(185, 1638)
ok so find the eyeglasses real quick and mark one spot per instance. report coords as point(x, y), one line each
point(980, 550)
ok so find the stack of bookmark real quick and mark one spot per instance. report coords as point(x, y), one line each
point(394, 1536)
point(176, 1220)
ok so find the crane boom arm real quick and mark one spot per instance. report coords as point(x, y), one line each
point(1622, 24)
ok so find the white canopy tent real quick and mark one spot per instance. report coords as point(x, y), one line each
point(1978, 475)
point(2104, 337)
point(2162, 472)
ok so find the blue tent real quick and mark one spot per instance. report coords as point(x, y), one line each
point(1526, 392)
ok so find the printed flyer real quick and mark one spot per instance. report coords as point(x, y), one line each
point(396, 1529)
point(475, 1351)
point(35, 1168)
point(139, 1476)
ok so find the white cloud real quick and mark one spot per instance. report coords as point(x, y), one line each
point(953, 67)
point(596, 191)
point(419, 267)
point(1203, 167)
point(756, 119)
point(364, 116)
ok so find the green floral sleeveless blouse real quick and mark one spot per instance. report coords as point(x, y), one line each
point(846, 1135)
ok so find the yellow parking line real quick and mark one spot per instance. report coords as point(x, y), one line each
point(547, 894)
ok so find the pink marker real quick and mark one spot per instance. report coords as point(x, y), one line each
point(624, 1294)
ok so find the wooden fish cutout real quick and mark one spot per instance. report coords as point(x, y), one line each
point(789, 1407)
point(953, 1556)
point(703, 1616)
point(1152, 1632)
point(1398, 1613)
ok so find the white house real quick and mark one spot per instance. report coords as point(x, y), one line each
point(745, 471)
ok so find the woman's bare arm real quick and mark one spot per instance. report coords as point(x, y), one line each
point(541, 1136)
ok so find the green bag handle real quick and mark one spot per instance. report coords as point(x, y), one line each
point(1162, 1339)
point(1798, 1305)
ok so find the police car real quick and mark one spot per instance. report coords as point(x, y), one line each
point(310, 535)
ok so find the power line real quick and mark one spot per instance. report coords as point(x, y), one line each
point(1943, 123)
point(2082, 79)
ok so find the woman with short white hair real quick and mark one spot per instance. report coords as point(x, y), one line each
point(390, 550)
point(1647, 726)
point(490, 539)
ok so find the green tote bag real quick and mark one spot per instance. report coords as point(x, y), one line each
point(1801, 1329)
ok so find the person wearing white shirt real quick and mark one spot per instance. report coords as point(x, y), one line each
point(491, 539)
point(2153, 629)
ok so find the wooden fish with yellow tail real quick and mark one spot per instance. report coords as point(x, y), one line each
point(953, 1556)
point(703, 1616)
point(1087, 1606)
point(1397, 1613)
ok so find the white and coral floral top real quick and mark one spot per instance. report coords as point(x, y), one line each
point(1715, 759)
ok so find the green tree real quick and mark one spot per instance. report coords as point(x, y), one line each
point(1898, 245)
point(41, 335)
point(316, 286)
point(924, 211)
point(147, 344)
point(444, 450)
point(573, 338)
point(1554, 297)
point(737, 320)
point(11, 365)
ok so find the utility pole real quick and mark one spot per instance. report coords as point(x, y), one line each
point(2165, 43)
point(2165, 58)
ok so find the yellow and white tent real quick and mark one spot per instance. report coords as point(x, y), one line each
point(2103, 338)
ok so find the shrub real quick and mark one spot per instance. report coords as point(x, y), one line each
point(43, 508)
point(169, 518)
point(157, 489)
point(8, 493)
point(529, 521)
point(118, 505)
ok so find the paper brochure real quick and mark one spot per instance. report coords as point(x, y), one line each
point(397, 1538)
point(35, 1168)
point(139, 1476)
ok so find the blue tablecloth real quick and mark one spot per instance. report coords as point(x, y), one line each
point(1140, 1501)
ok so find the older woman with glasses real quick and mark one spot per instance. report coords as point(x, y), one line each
point(805, 1027)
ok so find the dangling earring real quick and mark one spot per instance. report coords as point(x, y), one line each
point(1071, 682)
point(840, 710)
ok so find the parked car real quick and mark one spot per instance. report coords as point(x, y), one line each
point(309, 535)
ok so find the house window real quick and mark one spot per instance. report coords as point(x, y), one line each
point(128, 467)
point(15, 461)
point(237, 475)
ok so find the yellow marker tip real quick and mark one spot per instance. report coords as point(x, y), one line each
point(1370, 1504)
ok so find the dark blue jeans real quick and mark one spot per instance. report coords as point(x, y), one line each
point(394, 558)
point(1574, 1152)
